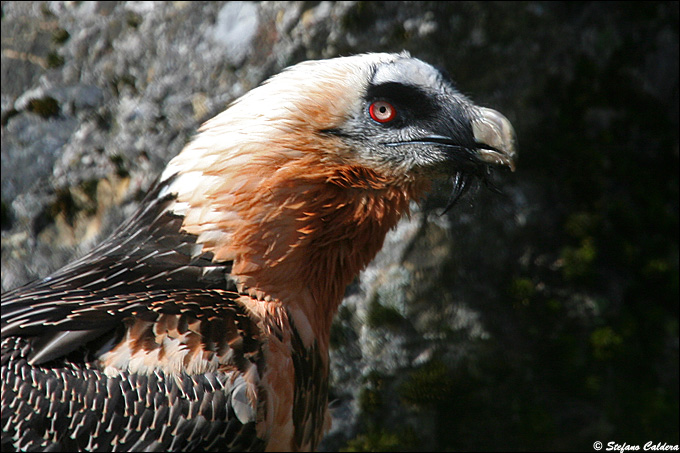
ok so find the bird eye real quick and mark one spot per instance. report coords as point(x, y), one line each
point(382, 112)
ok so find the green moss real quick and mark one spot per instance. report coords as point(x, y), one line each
point(134, 20)
point(370, 401)
point(384, 440)
point(64, 204)
point(120, 83)
point(594, 384)
point(656, 267)
point(429, 385)
point(605, 342)
point(89, 202)
point(578, 261)
point(45, 10)
point(54, 60)
point(60, 36)
point(370, 397)
point(581, 224)
point(119, 162)
point(553, 305)
point(522, 290)
point(5, 216)
point(341, 329)
point(360, 16)
point(380, 315)
point(398, 34)
point(46, 107)
point(69, 202)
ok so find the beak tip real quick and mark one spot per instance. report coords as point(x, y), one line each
point(494, 130)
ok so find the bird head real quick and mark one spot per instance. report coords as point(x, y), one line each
point(390, 113)
point(320, 161)
point(410, 122)
point(409, 119)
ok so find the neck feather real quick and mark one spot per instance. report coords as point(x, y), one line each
point(300, 234)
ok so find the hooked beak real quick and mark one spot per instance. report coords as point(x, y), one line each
point(496, 137)
point(495, 145)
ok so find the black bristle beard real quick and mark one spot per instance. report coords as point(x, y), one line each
point(463, 181)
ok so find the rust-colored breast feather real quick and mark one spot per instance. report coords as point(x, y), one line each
point(145, 335)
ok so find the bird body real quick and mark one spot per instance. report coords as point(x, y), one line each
point(204, 321)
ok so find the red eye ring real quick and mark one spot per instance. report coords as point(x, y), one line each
point(382, 112)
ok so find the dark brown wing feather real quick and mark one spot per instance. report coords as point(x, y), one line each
point(76, 407)
point(54, 395)
point(149, 264)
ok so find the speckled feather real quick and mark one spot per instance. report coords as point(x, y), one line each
point(146, 278)
point(77, 407)
point(147, 267)
point(62, 334)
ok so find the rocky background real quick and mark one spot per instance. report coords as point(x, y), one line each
point(541, 318)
